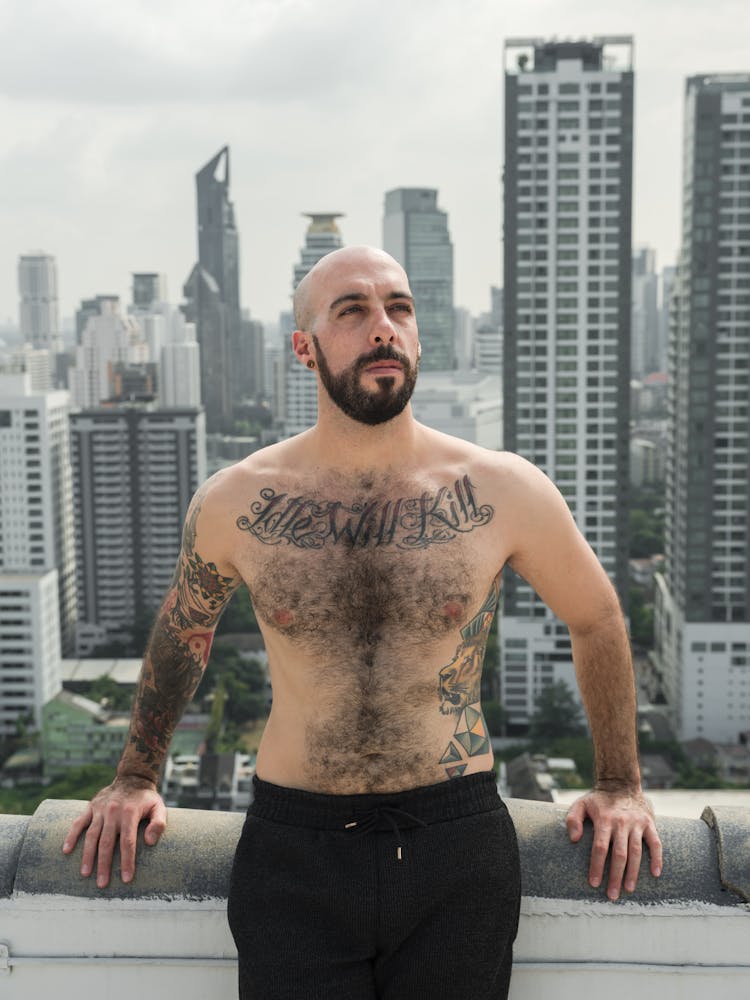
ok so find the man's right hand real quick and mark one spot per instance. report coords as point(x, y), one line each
point(115, 812)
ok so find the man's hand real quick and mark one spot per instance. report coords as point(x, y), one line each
point(115, 812)
point(622, 821)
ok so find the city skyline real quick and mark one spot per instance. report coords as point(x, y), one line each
point(100, 157)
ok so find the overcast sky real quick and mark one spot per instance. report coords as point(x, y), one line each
point(108, 110)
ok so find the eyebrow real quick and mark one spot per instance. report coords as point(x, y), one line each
point(361, 297)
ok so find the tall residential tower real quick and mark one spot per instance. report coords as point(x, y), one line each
point(703, 601)
point(567, 281)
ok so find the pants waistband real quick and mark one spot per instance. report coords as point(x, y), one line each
point(447, 800)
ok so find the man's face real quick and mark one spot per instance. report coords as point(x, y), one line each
point(364, 333)
point(369, 405)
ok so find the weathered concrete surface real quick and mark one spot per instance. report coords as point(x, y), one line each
point(12, 833)
point(194, 857)
point(731, 828)
point(554, 868)
point(192, 860)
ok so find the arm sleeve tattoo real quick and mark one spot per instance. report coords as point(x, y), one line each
point(177, 653)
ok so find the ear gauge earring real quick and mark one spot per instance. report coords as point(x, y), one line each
point(310, 364)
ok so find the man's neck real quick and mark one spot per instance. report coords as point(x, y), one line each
point(338, 442)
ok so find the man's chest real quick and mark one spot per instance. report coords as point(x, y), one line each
point(365, 567)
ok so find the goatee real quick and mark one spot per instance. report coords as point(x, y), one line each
point(366, 406)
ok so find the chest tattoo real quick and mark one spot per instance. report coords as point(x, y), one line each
point(432, 518)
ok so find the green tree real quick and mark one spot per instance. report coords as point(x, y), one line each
point(641, 619)
point(495, 716)
point(239, 615)
point(117, 696)
point(557, 716)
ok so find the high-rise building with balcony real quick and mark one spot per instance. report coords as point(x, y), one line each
point(37, 563)
point(415, 232)
point(301, 387)
point(135, 469)
point(40, 317)
point(567, 312)
point(703, 600)
point(36, 492)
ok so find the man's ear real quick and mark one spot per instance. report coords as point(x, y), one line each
point(301, 347)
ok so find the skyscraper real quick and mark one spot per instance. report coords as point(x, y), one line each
point(37, 284)
point(213, 293)
point(301, 406)
point(36, 493)
point(37, 556)
point(645, 318)
point(567, 288)
point(703, 601)
point(415, 232)
point(135, 469)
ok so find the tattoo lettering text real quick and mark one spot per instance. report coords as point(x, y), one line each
point(406, 522)
point(459, 689)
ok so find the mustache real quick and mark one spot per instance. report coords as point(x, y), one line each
point(385, 352)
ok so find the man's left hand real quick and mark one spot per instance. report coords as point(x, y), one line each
point(622, 821)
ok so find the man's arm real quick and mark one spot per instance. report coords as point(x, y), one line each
point(552, 555)
point(173, 664)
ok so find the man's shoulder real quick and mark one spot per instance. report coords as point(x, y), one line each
point(260, 466)
point(500, 467)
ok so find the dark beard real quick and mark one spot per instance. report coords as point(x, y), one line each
point(370, 408)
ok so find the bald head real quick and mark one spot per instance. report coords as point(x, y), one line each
point(361, 261)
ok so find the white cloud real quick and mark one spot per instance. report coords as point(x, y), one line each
point(108, 111)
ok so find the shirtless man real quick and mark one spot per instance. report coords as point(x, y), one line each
point(377, 859)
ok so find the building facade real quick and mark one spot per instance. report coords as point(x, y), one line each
point(415, 232)
point(567, 313)
point(39, 312)
point(703, 601)
point(107, 340)
point(135, 469)
point(213, 293)
point(644, 354)
point(30, 664)
point(301, 386)
point(36, 491)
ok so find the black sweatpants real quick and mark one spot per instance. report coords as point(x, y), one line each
point(406, 896)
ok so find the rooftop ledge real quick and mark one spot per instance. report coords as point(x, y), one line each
point(679, 937)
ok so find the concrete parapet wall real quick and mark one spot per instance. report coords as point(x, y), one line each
point(681, 936)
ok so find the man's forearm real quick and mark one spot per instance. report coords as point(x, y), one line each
point(173, 665)
point(605, 676)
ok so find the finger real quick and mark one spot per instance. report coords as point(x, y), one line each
point(90, 844)
point(77, 827)
point(654, 846)
point(618, 861)
point(599, 851)
point(635, 852)
point(157, 824)
point(107, 842)
point(128, 840)
point(574, 820)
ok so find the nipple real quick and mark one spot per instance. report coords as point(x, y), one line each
point(283, 617)
point(453, 609)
